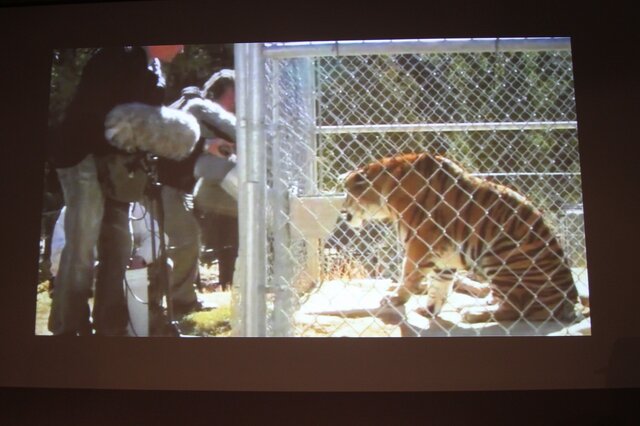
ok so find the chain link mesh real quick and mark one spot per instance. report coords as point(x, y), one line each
point(508, 117)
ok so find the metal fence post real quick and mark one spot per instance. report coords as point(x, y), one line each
point(307, 78)
point(282, 279)
point(238, 325)
point(252, 192)
point(307, 75)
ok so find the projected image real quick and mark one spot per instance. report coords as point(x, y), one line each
point(389, 188)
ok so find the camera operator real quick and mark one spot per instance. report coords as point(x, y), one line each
point(113, 76)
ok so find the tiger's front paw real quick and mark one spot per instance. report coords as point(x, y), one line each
point(434, 306)
point(437, 297)
point(477, 314)
point(393, 300)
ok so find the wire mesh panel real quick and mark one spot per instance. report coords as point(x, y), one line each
point(505, 116)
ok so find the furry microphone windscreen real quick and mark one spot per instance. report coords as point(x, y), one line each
point(213, 118)
point(165, 132)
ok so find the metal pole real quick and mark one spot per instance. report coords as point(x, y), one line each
point(447, 127)
point(313, 245)
point(282, 270)
point(251, 266)
point(239, 277)
point(253, 172)
point(307, 78)
point(397, 47)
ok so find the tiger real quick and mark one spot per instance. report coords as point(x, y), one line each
point(448, 221)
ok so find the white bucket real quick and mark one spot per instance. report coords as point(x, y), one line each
point(137, 301)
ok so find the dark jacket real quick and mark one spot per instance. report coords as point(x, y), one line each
point(179, 174)
point(113, 76)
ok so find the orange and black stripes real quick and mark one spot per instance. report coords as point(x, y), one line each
point(498, 233)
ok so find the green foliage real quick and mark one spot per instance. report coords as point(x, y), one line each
point(192, 67)
point(66, 69)
point(216, 322)
point(456, 88)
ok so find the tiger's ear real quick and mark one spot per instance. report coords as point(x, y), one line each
point(398, 171)
point(354, 179)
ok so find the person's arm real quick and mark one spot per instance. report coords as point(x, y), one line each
point(213, 119)
point(220, 147)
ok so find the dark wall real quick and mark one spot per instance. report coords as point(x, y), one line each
point(551, 408)
point(606, 98)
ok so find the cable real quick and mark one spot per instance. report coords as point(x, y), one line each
point(128, 288)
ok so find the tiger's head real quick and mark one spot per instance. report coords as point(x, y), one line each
point(363, 201)
point(385, 188)
point(368, 190)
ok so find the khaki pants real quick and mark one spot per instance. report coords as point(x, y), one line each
point(183, 250)
point(91, 221)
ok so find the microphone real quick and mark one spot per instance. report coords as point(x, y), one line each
point(162, 131)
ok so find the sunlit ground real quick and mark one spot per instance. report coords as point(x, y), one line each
point(209, 323)
point(348, 308)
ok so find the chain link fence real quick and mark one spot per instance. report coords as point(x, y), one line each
point(502, 108)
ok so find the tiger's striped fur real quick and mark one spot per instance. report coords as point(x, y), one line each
point(450, 220)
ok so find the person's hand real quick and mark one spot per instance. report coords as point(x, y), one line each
point(220, 147)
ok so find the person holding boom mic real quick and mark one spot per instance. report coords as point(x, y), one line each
point(182, 230)
point(113, 76)
point(172, 135)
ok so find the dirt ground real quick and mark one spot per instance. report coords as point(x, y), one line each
point(351, 309)
point(209, 323)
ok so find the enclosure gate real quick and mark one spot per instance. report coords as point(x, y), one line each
point(310, 112)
